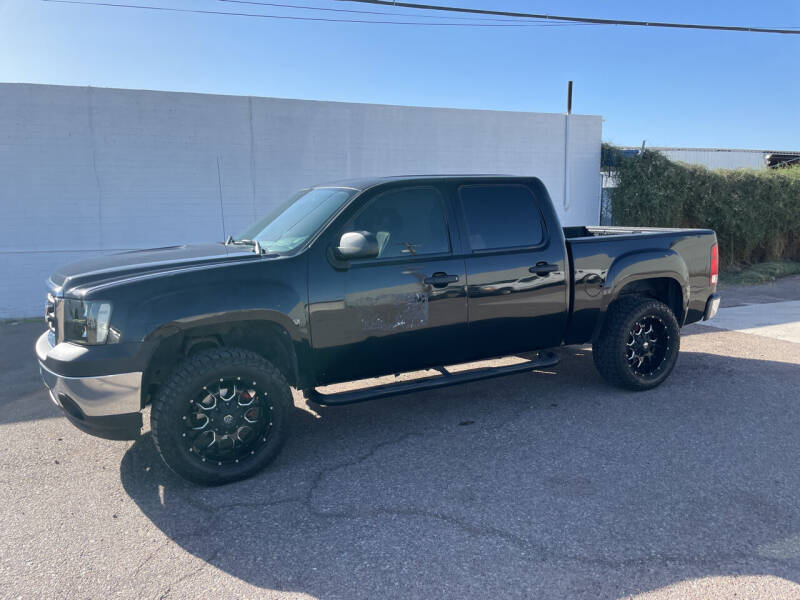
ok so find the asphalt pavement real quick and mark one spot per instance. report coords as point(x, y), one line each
point(548, 484)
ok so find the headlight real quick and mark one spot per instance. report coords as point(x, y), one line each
point(86, 322)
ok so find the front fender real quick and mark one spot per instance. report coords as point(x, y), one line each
point(186, 309)
point(210, 308)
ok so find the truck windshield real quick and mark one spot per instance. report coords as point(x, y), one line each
point(291, 225)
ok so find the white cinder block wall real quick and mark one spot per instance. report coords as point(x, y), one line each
point(88, 170)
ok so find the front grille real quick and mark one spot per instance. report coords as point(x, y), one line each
point(50, 313)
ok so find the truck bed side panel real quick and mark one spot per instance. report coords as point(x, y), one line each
point(604, 265)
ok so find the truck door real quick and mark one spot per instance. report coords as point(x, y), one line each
point(516, 269)
point(404, 309)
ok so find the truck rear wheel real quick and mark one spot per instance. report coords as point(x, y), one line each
point(221, 416)
point(638, 345)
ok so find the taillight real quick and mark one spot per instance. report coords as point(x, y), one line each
point(714, 264)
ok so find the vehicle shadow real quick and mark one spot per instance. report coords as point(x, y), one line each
point(543, 484)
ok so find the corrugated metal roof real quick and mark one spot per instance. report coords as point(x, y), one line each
point(671, 148)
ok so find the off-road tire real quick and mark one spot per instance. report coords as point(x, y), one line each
point(609, 350)
point(170, 404)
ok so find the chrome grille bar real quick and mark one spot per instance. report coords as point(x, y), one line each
point(50, 313)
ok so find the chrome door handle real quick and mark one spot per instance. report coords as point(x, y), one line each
point(440, 279)
point(543, 269)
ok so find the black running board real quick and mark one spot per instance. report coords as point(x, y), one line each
point(541, 360)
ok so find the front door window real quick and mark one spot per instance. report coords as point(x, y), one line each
point(407, 222)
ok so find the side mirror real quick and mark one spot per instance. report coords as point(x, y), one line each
point(357, 244)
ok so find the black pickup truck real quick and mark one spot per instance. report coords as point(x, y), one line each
point(353, 280)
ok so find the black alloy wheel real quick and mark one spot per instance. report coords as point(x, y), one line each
point(222, 415)
point(227, 421)
point(647, 345)
point(638, 344)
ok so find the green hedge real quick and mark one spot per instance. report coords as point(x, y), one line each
point(756, 214)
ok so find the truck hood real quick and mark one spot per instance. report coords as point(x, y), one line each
point(123, 265)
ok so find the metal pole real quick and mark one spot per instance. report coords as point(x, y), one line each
point(566, 147)
point(569, 98)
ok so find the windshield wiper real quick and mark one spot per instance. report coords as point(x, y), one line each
point(254, 243)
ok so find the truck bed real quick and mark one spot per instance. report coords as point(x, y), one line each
point(623, 254)
point(583, 231)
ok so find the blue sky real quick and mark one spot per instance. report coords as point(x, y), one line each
point(672, 88)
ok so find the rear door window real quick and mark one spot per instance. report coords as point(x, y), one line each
point(501, 216)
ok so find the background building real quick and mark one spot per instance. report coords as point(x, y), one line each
point(86, 170)
point(723, 158)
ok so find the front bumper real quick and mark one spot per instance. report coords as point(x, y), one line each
point(106, 406)
point(712, 306)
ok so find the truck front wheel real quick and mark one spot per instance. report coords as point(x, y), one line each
point(638, 345)
point(222, 415)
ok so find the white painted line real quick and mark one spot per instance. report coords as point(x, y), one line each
point(778, 320)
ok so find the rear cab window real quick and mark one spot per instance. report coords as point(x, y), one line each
point(501, 216)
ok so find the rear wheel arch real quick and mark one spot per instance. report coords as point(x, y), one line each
point(649, 273)
point(646, 265)
point(666, 289)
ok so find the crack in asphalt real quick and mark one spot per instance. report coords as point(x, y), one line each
point(291, 500)
point(530, 548)
point(206, 561)
point(305, 500)
point(178, 539)
point(548, 553)
point(150, 556)
point(317, 481)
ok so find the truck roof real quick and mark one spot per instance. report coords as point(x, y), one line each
point(368, 182)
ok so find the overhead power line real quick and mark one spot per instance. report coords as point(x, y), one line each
point(292, 17)
point(503, 13)
point(367, 12)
